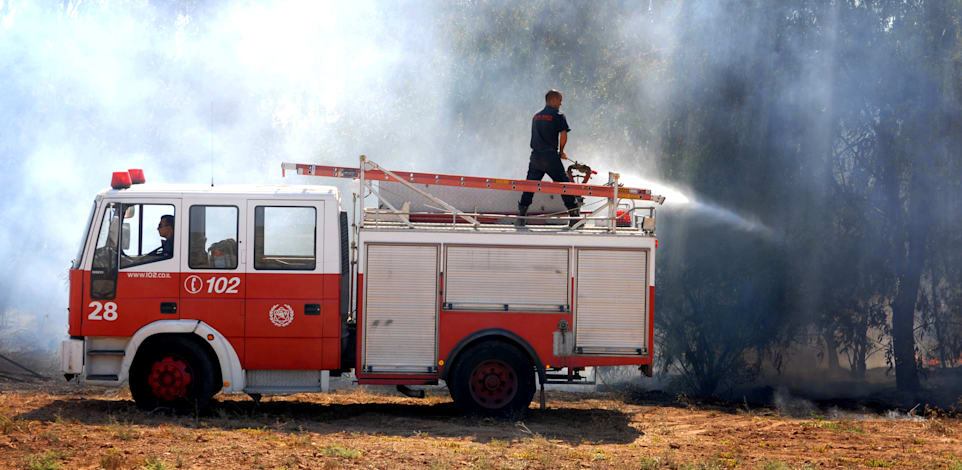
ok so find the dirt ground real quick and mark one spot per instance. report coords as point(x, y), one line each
point(51, 425)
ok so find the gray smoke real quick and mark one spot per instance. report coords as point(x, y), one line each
point(193, 91)
point(189, 93)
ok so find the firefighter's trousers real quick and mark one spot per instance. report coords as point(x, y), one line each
point(547, 163)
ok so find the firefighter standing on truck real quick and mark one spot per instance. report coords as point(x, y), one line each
point(549, 134)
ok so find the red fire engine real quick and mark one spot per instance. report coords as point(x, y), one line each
point(269, 289)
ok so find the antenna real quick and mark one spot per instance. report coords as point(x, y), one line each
point(210, 130)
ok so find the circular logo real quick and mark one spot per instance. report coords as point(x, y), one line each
point(193, 284)
point(282, 315)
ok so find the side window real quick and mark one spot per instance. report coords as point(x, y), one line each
point(148, 234)
point(284, 238)
point(212, 243)
point(103, 272)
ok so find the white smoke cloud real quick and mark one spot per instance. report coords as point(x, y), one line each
point(184, 91)
point(189, 90)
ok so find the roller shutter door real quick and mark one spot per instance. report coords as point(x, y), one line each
point(611, 301)
point(400, 308)
point(500, 278)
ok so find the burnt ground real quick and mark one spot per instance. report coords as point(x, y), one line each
point(46, 424)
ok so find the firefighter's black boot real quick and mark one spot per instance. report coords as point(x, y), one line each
point(522, 211)
point(574, 212)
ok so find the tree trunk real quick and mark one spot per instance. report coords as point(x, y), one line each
point(903, 326)
point(860, 346)
point(907, 222)
point(831, 350)
point(910, 263)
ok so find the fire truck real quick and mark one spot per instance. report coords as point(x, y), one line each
point(273, 289)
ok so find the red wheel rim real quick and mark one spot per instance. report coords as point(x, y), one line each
point(493, 384)
point(169, 378)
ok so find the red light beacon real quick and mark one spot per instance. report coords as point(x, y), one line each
point(123, 179)
point(136, 176)
point(120, 180)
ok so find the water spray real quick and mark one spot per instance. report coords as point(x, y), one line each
point(682, 199)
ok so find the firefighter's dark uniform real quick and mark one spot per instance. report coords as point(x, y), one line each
point(167, 247)
point(546, 125)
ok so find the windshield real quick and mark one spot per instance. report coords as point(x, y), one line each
point(75, 264)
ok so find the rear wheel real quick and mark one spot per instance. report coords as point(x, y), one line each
point(173, 372)
point(493, 379)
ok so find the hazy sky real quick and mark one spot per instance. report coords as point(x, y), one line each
point(189, 90)
point(183, 92)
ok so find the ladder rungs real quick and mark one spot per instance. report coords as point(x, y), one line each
point(504, 184)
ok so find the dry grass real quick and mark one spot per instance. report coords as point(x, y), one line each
point(360, 429)
point(113, 459)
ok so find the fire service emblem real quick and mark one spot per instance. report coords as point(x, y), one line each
point(282, 315)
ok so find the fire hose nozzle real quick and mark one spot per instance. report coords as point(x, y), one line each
point(578, 167)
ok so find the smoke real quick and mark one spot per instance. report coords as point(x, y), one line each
point(199, 92)
point(729, 109)
point(191, 93)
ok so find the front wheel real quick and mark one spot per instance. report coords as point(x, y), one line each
point(172, 373)
point(493, 379)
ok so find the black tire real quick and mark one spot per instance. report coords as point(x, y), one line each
point(173, 372)
point(492, 379)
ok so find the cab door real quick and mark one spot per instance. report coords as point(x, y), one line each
point(283, 321)
point(135, 269)
point(212, 268)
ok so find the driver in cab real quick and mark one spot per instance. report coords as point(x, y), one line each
point(166, 231)
point(165, 228)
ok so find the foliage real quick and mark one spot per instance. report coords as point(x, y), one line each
point(153, 463)
point(716, 311)
point(834, 123)
point(818, 137)
point(113, 459)
point(341, 451)
point(49, 460)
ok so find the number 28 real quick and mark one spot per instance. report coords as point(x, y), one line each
point(106, 311)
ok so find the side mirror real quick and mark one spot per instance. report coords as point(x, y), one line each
point(126, 236)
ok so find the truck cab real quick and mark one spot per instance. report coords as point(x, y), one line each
point(184, 291)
